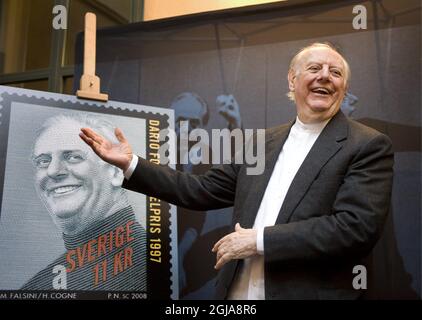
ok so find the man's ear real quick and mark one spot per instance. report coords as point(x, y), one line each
point(116, 176)
point(291, 76)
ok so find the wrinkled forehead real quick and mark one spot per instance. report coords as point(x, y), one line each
point(61, 136)
point(320, 55)
point(188, 108)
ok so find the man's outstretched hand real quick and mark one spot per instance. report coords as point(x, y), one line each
point(119, 155)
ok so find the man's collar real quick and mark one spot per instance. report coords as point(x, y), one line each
point(312, 127)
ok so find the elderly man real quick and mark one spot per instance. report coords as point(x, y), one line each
point(315, 213)
point(105, 245)
point(196, 278)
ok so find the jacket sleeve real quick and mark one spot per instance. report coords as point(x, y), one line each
point(213, 190)
point(356, 221)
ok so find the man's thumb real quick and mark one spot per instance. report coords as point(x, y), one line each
point(119, 135)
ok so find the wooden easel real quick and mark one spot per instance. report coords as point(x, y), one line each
point(90, 83)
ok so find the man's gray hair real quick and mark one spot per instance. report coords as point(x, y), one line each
point(298, 56)
point(95, 122)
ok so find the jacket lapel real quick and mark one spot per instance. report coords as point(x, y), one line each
point(329, 142)
point(273, 145)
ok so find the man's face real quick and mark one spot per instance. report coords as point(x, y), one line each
point(70, 179)
point(319, 84)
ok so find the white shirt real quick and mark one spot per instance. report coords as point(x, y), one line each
point(249, 281)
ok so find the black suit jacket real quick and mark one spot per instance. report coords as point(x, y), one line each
point(331, 217)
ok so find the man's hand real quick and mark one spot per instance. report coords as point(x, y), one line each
point(119, 155)
point(239, 244)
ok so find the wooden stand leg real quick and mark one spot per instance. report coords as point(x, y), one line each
point(90, 83)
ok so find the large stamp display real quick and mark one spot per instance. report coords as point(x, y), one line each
point(66, 225)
